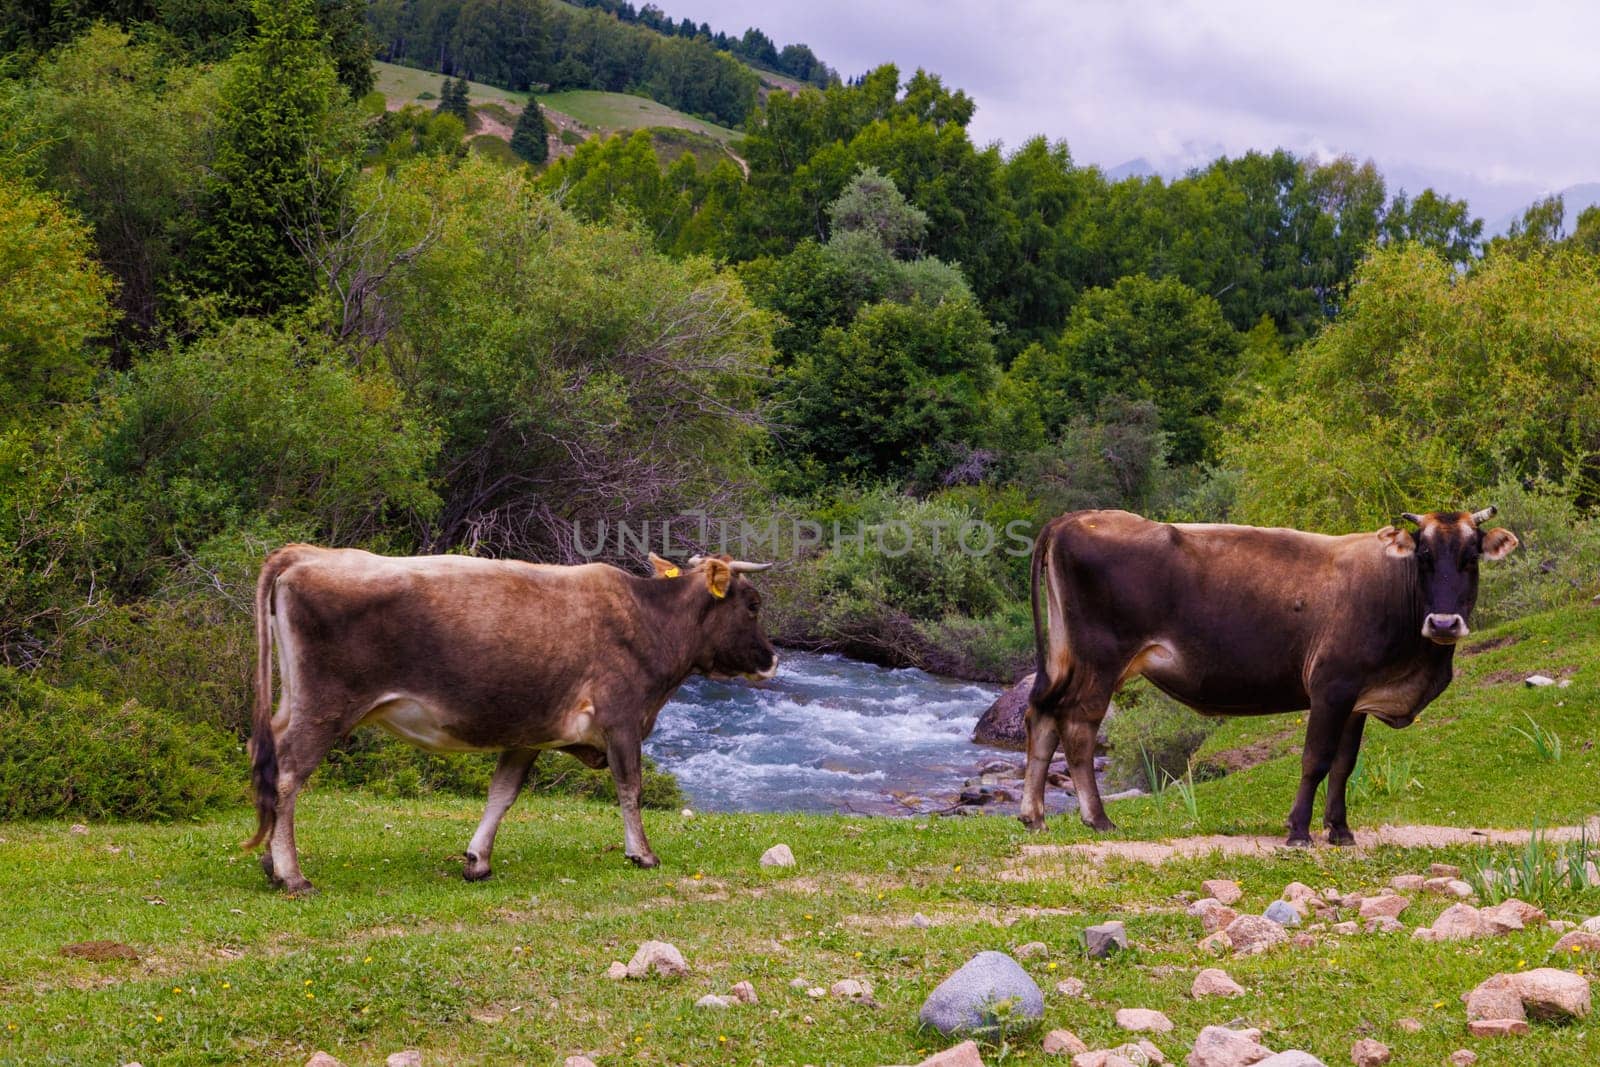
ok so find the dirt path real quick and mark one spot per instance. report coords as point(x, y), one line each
point(1261, 845)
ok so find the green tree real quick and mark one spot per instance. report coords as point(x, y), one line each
point(530, 140)
point(1435, 221)
point(455, 100)
point(284, 153)
point(1141, 339)
point(896, 394)
point(54, 302)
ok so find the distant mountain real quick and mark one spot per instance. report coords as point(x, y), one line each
point(1133, 168)
point(1574, 197)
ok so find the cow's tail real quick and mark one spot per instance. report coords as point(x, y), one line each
point(1041, 648)
point(263, 748)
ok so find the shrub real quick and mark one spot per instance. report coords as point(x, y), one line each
point(1558, 563)
point(70, 752)
point(1150, 732)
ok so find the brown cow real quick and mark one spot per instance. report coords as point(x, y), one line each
point(1240, 620)
point(455, 654)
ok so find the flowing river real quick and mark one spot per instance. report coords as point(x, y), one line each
point(826, 734)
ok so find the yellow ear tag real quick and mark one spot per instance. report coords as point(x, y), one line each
point(718, 593)
point(671, 572)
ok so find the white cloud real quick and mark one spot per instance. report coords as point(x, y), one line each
point(1493, 101)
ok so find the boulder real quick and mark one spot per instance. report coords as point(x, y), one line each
point(1548, 993)
point(1143, 1020)
point(1250, 934)
point(1497, 1027)
point(962, 1055)
point(1369, 1053)
point(1223, 889)
point(1218, 1046)
point(1391, 906)
point(1283, 913)
point(657, 956)
point(1004, 724)
point(965, 1001)
point(777, 856)
point(1104, 939)
point(1495, 997)
point(1213, 982)
point(1063, 1043)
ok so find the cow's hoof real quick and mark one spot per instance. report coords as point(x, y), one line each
point(475, 870)
point(1034, 823)
point(271, 872)
point(1341, 836)
point(1302, 841)
point(645, 861)
point(299, 889)
point(1102, 824)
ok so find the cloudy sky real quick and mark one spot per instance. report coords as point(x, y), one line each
point(1498, 102)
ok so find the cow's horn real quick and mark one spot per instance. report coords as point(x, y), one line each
point(1481, 517)
point(1411, 517)
point(739, 566)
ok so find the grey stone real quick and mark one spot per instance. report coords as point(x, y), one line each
point(966, 1001)
point(1282, 913)
point(777, 856)
point(1104, 939)
point(711, 1000)
point(657, 956)
point(1004, 723)
point(1538, 681)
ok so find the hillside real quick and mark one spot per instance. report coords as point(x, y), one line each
point(397, 951)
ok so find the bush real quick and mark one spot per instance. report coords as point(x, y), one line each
point(70, 752)
point(1152, 732)
point(1558, 563)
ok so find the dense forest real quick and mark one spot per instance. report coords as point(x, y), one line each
point(242, 303)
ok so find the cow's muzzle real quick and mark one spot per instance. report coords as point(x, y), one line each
point(766, 675)
point(1444, 629)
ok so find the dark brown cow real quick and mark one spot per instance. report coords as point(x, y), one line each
point(1239, 620)
point(455, 654)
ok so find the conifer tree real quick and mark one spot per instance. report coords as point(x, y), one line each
point(529, 140)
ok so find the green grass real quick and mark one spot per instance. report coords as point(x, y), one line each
point(487, 144)
point(396, 951)
point(401, 85)
point(611, 112)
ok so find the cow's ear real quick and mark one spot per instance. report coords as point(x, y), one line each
point(664, 568)
point(718, 576)
point(1396, 543)
point(1499, 543)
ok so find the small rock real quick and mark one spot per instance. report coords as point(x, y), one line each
point(1223, 889)
point(617, 970)
point(1548, 993)
point(1444, 870)
point(1409, 1025)
point(1538, 681)
point(1591, 925)
point(1216, 944)
point(1560, 926)
point(322, 1059)
point(1218, 1046)
point(1369, 1053)
point(1463, 1057)
point(687, 813)
point(1032, 949)
point(1384, 924)
point(1152, 1054)
point(1213, 982)
point(1214, 915)
point(1578, 941)
point(1494, 998)
point(1459, 922)
point(1407, 883)
point(921, 921)
point(1141, 1020)
point(962, 1055)
point(1297, 891)
point(798, 984)
point(1497, 1027)
point(1104, 939)
point(404, 1058)
point(1063, 1043)
point(1591, 872)
point(77, 828)
point(965, 1001)
point(1071, 987)
point(1424, 933)
point(1346, 928)
point(711, 1000)
point(777, 856)
point(851, 989)
point(745, 993)
point(1282, 912)
point(816, 992)
point(658, 956)
point(1392, 906)
point(1292, 1058)
point(578, 1061)
point(1102, 1057)
point(1527, 914)
point(1250, 934)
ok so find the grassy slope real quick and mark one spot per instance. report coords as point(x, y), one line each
point(403, 84)
point(396, 951)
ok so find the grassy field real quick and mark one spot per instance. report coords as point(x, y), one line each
point(402, 85)
point(396, 951)
point(608, 113)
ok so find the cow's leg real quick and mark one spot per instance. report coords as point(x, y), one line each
point(623, 753)
point(1044, 737)
point(1082, 732)
point(509, 774)
point(1343, 764)
point(301, 748)
point(1324, 727)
